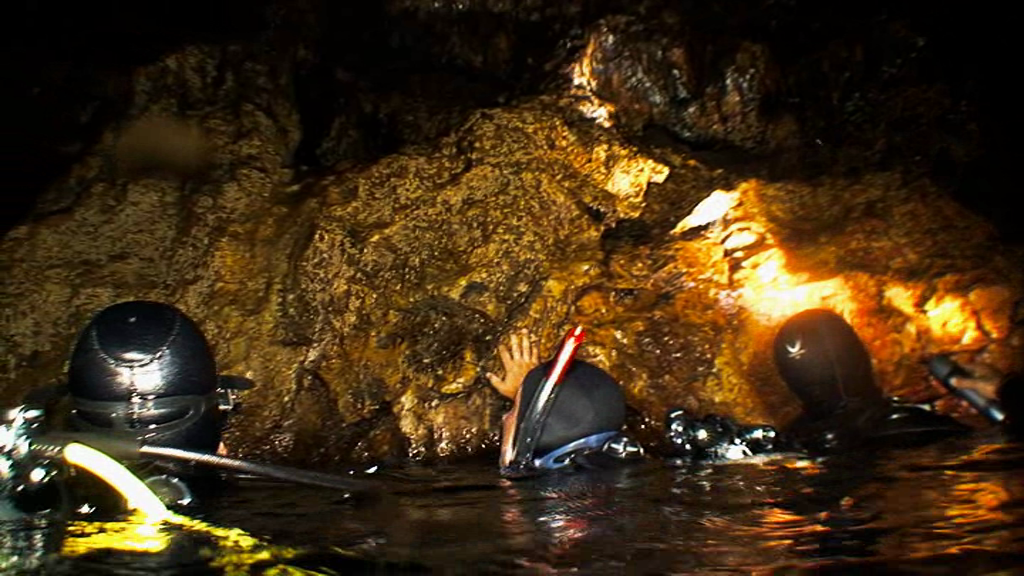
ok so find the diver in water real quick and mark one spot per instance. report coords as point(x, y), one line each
point(144, 372)
point(824, 363)
point(582, 426)
point(141, 377)
point(565, 412)
point(826, 366)
point(142, 387)
point(817, 353)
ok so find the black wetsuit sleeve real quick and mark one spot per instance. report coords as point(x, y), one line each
point(1011, 400)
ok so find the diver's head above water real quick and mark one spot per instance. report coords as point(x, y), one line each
point(825, 364)
point(587, 410)
point(144, 371)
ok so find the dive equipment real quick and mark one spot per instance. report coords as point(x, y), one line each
point(944, 369)
point(28, 468)
point(563, 456)
point(128, 450)
point(715, 438)
point(32, 459)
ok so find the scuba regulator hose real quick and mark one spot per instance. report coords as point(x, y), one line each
point(135, 492)
point(129, 449)
point(265, 470)
point(27, 465)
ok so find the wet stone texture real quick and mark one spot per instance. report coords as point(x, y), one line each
point(657, 79)
point(366, 293)
point(365, 304)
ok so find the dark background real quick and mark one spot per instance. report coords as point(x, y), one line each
point(67, 74)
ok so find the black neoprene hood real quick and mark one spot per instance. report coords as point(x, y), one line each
point(144, 369)
point(588, 401)
point(823, 361)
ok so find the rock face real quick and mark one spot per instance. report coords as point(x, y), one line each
point(367, 303)
point(366, 298)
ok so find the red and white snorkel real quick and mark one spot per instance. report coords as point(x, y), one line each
point(528, 432)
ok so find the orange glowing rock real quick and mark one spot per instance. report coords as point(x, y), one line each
point(904, 297)
point(739, 239)
point(994, 305)
point(908, 291)
point(952, 321)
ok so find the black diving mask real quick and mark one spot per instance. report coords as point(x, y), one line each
point(171, 421)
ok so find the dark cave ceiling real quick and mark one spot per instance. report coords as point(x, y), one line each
point(845, 68)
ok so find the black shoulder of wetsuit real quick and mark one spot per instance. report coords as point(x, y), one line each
point(1011, 400)
point(909, 425)
point(891, 425)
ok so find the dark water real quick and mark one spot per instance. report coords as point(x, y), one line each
point(954, 507)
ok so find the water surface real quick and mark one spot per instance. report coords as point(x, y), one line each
point(956, 506)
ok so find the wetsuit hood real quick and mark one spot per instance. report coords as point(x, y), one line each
point(824, 363)
point(587, 402)
point(144, 370)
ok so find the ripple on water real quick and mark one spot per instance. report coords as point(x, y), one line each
point(957, 506)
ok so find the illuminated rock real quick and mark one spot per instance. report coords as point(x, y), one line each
point(367, 300)
point(914, 274)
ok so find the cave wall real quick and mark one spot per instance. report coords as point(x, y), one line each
point(356, 204)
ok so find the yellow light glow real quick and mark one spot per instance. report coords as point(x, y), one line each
point(951, 318)
point(771, 270)
point(136, 534)
point(741, 239)
point(237, 551)
point(146, 530)
point(710, 209)
point(137, 495)
point(629, 179)
point(772, 293)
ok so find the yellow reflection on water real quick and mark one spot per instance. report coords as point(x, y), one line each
point(977, 502)
point(232, 550)
point(135, 534)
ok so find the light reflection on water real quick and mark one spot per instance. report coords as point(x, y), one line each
point(956, 506)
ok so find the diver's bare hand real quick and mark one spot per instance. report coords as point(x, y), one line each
point(518, 357)
point(984, 379)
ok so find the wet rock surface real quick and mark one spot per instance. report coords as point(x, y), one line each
point(358, 204)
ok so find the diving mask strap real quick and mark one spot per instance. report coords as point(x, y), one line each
point(528, 432)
